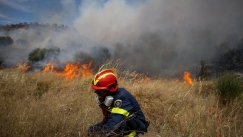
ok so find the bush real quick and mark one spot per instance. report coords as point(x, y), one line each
point(6, 41)
point(229, 87)
point(39, 54)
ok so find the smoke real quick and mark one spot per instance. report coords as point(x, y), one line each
point(161, 36)
point(67, 40)
point(60, 12)
point(157, 37)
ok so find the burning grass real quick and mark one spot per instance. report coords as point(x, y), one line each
point(71, 70)
point(45, 104)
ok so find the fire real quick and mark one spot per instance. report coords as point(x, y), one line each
point(187, 78)
point(49, 67)
point(86, 69)
point(23, 66)
point(71, 70)
point(139, 78)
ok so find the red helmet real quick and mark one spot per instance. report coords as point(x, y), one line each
point(105, 80)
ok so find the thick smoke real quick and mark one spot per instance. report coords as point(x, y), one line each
point(157, 37)
point(163, 37)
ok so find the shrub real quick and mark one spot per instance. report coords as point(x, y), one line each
point(229, 87)
point(39, 54)
point(6, 41)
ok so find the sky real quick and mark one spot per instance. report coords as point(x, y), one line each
point(18, 11)
point(45, 11)
point(159, 37)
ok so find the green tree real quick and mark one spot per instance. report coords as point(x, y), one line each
point(39, 54)
point(5, 41)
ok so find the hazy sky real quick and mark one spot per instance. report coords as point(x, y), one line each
point(155, 35)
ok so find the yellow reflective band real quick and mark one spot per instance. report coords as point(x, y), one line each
point(132, 134)
point(121, 111)
point(100, 77)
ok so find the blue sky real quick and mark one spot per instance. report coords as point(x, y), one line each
point(18, 11)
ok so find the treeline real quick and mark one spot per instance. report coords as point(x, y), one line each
point(231, 59)
point(11, 27)
point(227, 59)
point(5, 41)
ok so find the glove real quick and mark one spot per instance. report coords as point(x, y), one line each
point(90, 131)
point(95, 129)
point(146, 123)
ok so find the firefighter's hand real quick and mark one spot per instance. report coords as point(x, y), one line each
point(90, 131)
point(146, 125)
point(95, 129)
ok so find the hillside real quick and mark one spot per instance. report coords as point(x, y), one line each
point(37, 43)
point(46, 104)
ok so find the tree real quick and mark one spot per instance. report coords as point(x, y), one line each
point(6, 41)
point(203, 72)
point(231, 61)
point(40, 54)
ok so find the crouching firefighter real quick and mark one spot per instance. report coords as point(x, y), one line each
point(123, 116)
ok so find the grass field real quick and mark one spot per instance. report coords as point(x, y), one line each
point(36, 104)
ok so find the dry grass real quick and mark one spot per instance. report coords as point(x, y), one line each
point(42, 104)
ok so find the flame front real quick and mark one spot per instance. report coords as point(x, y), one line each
point(49, 67)
point(187, 78)
point(86, 69)
point(71, 70)
point(23, 66)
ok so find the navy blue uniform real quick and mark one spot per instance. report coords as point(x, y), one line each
point(124, 106)
point(129, 103)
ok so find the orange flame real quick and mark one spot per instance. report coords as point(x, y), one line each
point(24, 67)
point(49, 67)
point(71, 70)
point(86, 69)
point(187, 78)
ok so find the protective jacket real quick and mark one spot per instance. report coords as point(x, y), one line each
point(124, 106)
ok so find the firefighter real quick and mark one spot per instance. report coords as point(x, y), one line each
point(122, 113)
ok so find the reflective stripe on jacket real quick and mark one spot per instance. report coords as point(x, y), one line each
point(116, 110)
point(129, 106)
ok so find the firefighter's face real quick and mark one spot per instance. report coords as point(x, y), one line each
point(102, 94)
